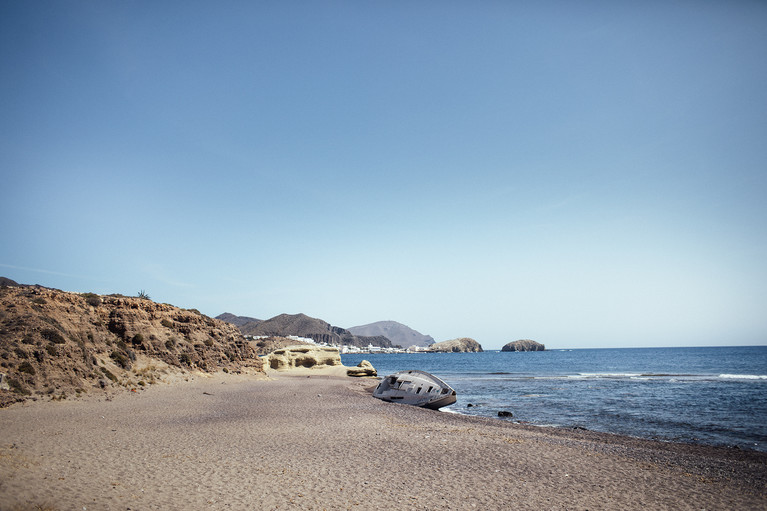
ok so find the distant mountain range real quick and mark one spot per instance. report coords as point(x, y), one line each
point(237, 321)
point(302, 325)
point(397, 333)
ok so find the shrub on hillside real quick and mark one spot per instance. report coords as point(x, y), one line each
point(26, 367)
point(92, 299)
point(53, 336)
point(121, 359)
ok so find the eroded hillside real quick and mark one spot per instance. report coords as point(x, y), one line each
point(55, 344)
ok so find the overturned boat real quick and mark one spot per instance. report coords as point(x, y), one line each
point(417, 388)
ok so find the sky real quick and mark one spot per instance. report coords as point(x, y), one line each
point(585, 174)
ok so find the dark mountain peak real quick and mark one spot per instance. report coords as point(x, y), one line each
point(237, 321)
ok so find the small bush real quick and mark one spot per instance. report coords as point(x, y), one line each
point(143, 295)
point(137, 339)
point(18, 387)
point(109, 374)
point(170, 343)
point(208, 342)
point(39, 300)
point(92, 299)
point(52, 351)
point(53, 336)
point(121, 359)
point(28, 339)
point(184, 358)
point(21, 353)
point(166, 323)
point(26, 367)
point(39, 355)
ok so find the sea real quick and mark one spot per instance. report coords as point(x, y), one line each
point(708, 395)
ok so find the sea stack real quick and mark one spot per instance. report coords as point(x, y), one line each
point(462, 345)
point(524, 345)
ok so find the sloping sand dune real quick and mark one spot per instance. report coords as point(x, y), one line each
point(322, 442)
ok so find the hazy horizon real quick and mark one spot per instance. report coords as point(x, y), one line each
point(587, 174)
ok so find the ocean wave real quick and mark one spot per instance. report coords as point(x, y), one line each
point(608, 375)
point(743, 376)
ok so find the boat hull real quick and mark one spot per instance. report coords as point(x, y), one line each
point(416, 388)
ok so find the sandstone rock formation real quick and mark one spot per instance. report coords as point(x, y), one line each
point(308, 356)
point(364, 368)
point(397, 333)
point(524, 345)
point(320, 358)
point(53, 342)
point(461, 345)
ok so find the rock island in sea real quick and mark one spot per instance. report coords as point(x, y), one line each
point(462, 345)
point(524, 345)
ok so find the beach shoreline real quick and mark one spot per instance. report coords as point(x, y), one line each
point(317, 440)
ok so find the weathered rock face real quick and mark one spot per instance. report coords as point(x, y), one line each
point(364, 368)
point(320, 358)
point(54, 342)
point(462, 345)
point(524, 345)
point(308, 356)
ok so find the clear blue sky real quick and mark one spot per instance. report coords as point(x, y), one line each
point(585, 174)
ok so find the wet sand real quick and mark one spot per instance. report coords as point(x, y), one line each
point(323, 442)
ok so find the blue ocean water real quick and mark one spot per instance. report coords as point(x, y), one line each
point(712, 395)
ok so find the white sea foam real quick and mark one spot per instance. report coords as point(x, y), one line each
point(744, 376)
point(609, 375)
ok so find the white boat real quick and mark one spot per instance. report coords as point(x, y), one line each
point(417, 388)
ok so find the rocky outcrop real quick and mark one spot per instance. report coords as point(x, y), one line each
point(462, 345)
point(524, 345)
point(308, 356)
point(399, 334)
point(319, 331)
point(364, 368)
point(317, 358)
point(53, 342)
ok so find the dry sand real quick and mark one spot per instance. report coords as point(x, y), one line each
point(323, 442)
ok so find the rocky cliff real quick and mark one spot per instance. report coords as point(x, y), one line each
point(461, 345)
point(55, 343)
point(319, 331)
point(397, 333)
point(524, 345)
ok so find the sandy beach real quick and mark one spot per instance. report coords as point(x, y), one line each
point(314, 441)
